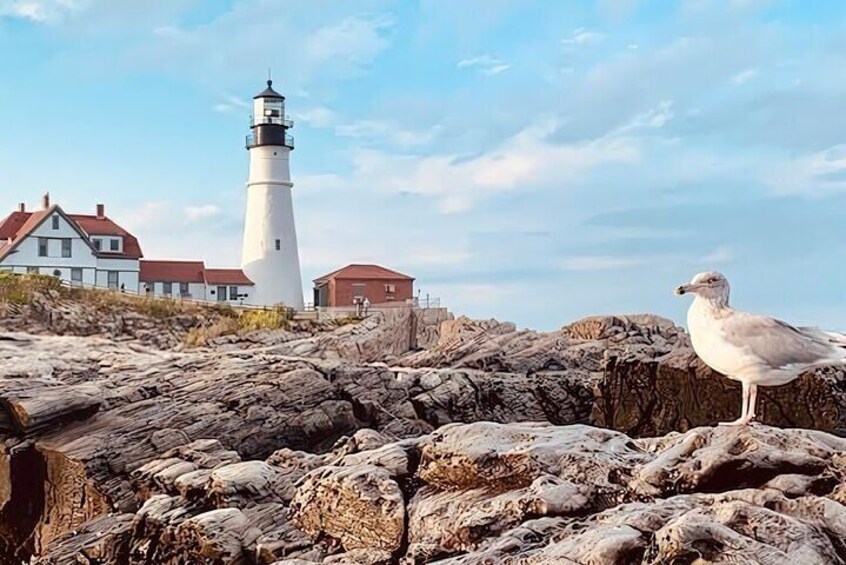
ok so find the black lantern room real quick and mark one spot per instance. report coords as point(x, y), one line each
point(269, 123)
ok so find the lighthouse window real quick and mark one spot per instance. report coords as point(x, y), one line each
point(278, 244)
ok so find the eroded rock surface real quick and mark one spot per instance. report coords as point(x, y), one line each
point(402, 439)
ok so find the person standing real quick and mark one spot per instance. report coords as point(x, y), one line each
point(366, 305)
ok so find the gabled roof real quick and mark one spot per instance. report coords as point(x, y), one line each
point(172, 271)
point(227, 276)
point(36, 219)
point(18, 225)
point(94, 226)
point(363, 272)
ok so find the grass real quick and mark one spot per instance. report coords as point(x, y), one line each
point(213, 320)
point(278, 318)
point(20, 289)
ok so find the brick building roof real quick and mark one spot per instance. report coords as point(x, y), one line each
point(364, 272)
point(172, 271)
point(190, 272)
point(227, 276)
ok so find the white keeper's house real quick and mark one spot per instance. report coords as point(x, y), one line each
point(93, 250)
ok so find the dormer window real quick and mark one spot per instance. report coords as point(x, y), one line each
point(114, 244)
point(98, 244)
point(55, 220)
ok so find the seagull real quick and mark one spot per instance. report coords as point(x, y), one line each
point(755, 350)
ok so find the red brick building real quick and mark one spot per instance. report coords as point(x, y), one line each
point(354, 283)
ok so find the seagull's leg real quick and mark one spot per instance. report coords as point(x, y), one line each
point(744, 408)
point(753, 401)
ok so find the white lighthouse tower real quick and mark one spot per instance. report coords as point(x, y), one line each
point(269, 256)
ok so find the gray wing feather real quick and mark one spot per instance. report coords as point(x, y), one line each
point(779, 345)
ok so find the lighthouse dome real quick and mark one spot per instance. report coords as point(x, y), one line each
point(269, 92)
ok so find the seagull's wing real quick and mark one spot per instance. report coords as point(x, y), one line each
point(780, 346)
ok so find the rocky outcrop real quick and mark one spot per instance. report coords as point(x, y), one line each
point(484, 492)
point(354, 445)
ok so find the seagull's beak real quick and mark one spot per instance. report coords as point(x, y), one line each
point(683, 289)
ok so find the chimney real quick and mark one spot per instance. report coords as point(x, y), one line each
point(101, 211)
point(45, 201)
point(22, 207)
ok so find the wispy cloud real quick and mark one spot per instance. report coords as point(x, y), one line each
point(583, 36)
point(744, 76)
point(487, 64)
point(231, 104)
point(40, 11)
point(201, 212)
point(720, 255)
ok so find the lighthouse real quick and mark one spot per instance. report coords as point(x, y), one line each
point(269, 255)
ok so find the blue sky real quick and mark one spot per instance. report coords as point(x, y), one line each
point(535, 161)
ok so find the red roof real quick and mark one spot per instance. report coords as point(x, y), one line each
point(227, 276)
point(364, 272)
point(92, 225)
point(18, 225)
point(172, 271)
point(13, 223)
point(28, 226)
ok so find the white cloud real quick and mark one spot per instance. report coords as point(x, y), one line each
point(231, 104)
point(201, 212)
point(388, 132)
point(526, 160)
point(41, 11)
point(319, 116)
point(313, 43)
point(355, 38)
point(654, 118)
point(744, 76)
point(720, 255)
point(485, 63)
point(582, 36)
point(819, 173)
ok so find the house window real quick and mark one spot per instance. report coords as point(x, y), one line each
point(278, 244)
point(114, 245)
point(55, 220)
point(183, 290)
point(98, 244)
point(233, 293)
point(221, 294)
point(113, 279)
point(76, 276)
point(42, 246)
point(390, 288)
point(32, 270)
point(66, 247)
point(167, 288)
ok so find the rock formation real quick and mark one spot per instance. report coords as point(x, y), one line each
point(410, 437)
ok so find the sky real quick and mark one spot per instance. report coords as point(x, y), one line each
point(526, 160)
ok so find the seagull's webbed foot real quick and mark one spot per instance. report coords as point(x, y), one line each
point(742, 421)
